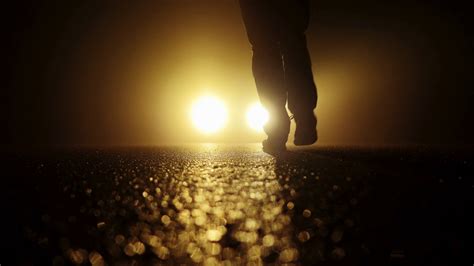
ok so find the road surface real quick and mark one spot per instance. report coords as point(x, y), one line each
point(235, 205)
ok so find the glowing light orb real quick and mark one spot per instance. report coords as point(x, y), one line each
point(209, 114)
point(257, 117)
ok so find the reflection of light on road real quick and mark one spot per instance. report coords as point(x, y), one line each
point(209, 114)
point(237, 201)
point(257, 116)
point(212, 204)
point(191, 214)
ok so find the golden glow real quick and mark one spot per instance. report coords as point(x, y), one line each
point(257, 117)
point(209, 114)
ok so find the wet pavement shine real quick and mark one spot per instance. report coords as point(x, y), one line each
point(235, 205)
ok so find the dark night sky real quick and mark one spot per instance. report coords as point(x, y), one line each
point(122, 72)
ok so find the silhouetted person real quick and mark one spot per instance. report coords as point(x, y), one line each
point(281, 67)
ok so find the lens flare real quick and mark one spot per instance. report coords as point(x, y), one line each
point(209, 114)
point(257, 116)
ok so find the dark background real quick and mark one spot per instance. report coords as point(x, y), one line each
point(388, 72)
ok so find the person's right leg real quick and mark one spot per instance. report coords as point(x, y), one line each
point(261, 21)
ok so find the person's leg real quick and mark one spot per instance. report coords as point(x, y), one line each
point(302, 95)
point(261, 22)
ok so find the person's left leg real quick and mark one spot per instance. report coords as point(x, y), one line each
point(299, 81)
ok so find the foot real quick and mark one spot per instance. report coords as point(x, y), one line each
point(305, 133)
point(277, 129)
point(273, 147)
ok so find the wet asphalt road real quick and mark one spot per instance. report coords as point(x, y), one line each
point(235, 205)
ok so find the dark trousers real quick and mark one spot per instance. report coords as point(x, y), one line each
point(281, 63)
